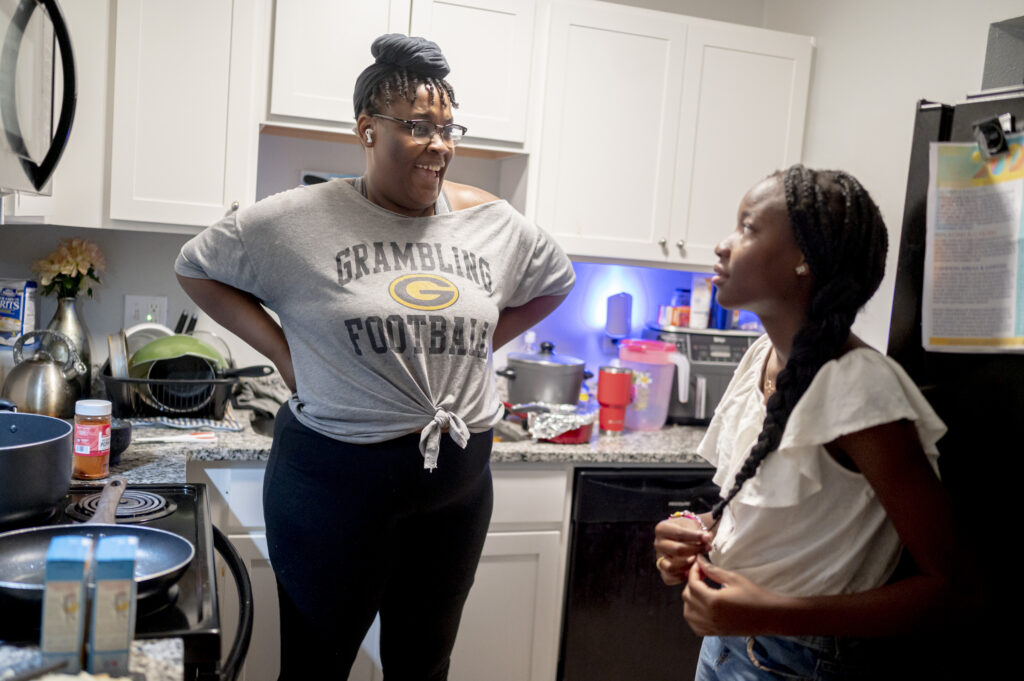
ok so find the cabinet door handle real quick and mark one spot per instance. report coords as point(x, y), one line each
point(681, 245)
point(234, 206)
point(662, 242)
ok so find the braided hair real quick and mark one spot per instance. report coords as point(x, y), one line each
point(840, 232)
point(401, 65)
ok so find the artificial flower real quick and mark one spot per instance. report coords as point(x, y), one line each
point(70, 267)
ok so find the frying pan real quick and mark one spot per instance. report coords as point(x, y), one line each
point(161, 559)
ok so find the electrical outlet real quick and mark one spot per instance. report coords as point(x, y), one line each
point(143, 309)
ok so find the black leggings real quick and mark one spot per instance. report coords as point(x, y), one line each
point(354, 530)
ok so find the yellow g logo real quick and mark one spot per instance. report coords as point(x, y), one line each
point(424, 292)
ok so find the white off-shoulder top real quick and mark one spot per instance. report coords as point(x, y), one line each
point(805, 525)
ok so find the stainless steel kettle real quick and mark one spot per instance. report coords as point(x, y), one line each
point(40, 384)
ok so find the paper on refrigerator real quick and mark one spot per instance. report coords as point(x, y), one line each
point(974, 264)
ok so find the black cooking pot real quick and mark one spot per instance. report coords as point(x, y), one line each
point(35, 463)
point(544, 377)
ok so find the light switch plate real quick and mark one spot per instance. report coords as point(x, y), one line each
point(145, 309)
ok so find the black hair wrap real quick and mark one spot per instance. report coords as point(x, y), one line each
point(393, 52)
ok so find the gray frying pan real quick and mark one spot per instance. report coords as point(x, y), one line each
point(161, 559)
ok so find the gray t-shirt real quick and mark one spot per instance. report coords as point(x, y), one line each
point(389, 318)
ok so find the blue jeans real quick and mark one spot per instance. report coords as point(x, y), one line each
point(805, 658)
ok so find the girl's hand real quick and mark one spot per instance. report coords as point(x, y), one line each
point(677, 542)
point(737, 607)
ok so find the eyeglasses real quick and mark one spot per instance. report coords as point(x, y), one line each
point(424, 131)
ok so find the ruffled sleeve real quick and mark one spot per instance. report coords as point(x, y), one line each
point(859, 390)
point(738, 417)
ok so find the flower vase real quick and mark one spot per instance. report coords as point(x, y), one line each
point(68, 321)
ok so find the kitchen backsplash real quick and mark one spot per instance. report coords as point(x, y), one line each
point(577, 327)
point(138, 263)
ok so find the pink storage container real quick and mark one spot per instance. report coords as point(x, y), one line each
point(653, 363)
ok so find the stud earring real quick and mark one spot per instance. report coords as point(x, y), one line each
point(802, 269)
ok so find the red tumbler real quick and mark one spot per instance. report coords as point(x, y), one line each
point(614, 391)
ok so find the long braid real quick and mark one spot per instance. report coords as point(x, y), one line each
point(843, 238)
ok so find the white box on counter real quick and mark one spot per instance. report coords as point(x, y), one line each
point(63, 627)
point(112, 623)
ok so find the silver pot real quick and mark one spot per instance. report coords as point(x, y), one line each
point(544, 377)
point(35, 464)
point(41, 384)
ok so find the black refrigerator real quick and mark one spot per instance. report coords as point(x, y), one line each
point(979, 396)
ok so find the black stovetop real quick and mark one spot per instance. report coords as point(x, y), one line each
point(187, 611)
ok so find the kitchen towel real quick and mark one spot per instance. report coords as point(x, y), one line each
point(228, 423)
point(263, 394)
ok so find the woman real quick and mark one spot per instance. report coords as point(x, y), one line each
point(825, 452)
point(392, 290)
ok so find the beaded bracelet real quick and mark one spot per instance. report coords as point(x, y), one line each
point(692, 516)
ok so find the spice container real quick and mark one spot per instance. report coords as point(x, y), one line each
point(677, 312)
point(92, 440)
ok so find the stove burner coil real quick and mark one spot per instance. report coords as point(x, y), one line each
point(136, 506)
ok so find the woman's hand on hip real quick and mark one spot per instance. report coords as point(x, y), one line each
point(242, 313)
point(733, 606)
point(677, 543)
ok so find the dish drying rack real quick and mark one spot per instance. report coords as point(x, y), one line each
point(135, 397)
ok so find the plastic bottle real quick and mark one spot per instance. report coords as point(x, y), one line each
point(700, 302)
point(530, 342)
point(92, 440)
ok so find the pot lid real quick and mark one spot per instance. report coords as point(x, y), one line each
point(546, 357)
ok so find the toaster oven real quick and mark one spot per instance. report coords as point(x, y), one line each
point(713, 356)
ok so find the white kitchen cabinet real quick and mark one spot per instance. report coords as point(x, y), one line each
point(510, 625)
point(185, 129)
point(744, 104)
point(321, 46)
point(655, 124)
point(509, 628)
point(614, 76)
point(489, 46)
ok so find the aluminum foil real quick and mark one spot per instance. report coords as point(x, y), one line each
point(560, 418)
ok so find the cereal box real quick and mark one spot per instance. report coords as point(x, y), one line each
point(17, 309)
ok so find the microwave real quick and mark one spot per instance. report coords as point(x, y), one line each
point(34, 35)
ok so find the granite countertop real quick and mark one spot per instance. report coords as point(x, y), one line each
point(156, 660)
point(670, 446)
point(162, 659)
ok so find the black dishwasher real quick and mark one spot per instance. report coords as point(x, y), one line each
point(620, 621)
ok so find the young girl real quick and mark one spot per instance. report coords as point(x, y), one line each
point(825, 453)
